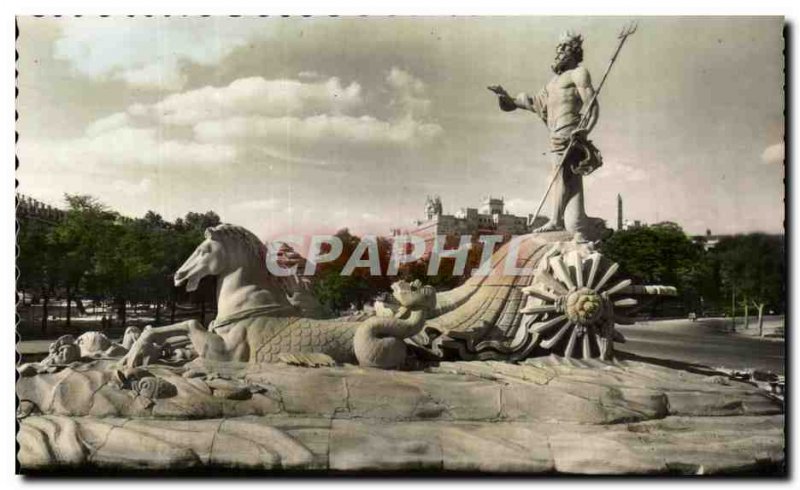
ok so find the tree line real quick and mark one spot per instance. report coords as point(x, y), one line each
point(95, 253)
point(737, 273)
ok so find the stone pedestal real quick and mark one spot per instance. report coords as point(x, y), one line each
point(545, 415)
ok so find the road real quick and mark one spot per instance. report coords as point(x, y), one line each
point(702, 342)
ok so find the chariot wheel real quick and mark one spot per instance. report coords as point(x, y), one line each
point(574, 303)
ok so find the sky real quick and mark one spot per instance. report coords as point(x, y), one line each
point(308, 125)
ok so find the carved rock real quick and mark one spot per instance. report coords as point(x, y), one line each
point(544, 415)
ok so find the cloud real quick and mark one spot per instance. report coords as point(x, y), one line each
point(148, 52)
point(291, 120)
point(409, 92)
point(256, 95)
point(108, 123)
point(404, 81)
point(320, 130)
point(165, 76)
point(280, 112)
point(774, 154)
point(309, 123)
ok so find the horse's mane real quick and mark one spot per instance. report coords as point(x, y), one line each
point(239, 235)
point(250, 247)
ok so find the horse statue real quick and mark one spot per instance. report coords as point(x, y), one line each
point(256, 323)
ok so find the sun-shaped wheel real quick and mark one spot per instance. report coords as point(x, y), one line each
point(573, 304)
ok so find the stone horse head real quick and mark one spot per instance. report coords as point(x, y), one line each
point(226, 248)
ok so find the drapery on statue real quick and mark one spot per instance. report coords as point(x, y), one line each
point(559, 105)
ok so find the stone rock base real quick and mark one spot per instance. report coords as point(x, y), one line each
point(684, 445)
point(542, 416)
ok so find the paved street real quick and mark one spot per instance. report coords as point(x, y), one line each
point(702, 342)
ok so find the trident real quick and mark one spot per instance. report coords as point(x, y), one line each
point(626, 31)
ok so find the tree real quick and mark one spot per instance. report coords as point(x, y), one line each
point(163, 248)
point(75, 239)
point(445, 277)
point(153, 221)
point(37, 262)
point(199, 221)
point(753, 267)
point(179, 246)
point(662, 254)
point(31, 252)
point(94, 252)
point(337, 292)
point(127, 263)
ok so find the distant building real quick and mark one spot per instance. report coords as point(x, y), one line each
point(489, 219)
point(619, 211)
point(631, 225)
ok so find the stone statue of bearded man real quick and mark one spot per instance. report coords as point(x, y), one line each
point(559, 105)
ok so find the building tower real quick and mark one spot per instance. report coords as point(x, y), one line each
point(492, 205)
point(619, 212)
point(430, 209)
point(437, 206)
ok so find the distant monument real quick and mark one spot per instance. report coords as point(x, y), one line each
point(619, 212)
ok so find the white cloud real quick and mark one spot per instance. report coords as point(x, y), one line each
point(409, 92)
point(166, 76)
point(256, 95)
point(323, 129)
point(402, 80)
point(774, 154)
point(148, 52)
point(307, 123)
point(292, 120)
point(108, 123)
